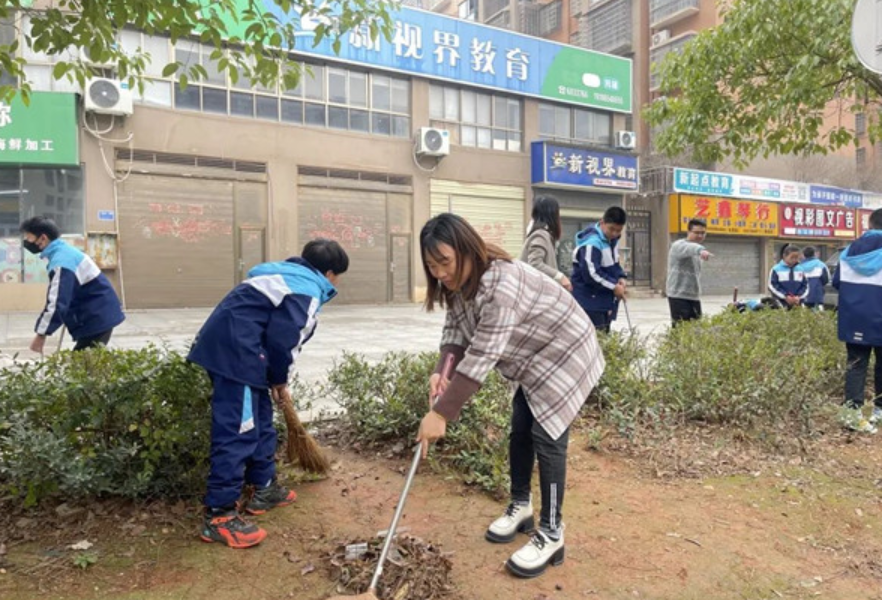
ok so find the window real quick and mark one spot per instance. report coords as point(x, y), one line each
point(467, 10)
point(860, 124)
point(8, 34)
point(550, 17)
point(326, 96)
point(477, 119)
point(25, 193)
point(574, 124)
point(861, 157)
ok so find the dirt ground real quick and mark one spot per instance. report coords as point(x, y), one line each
point(785, 530)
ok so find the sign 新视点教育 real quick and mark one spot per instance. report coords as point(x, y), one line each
point(807, 221)
point(44, 132)
point(692, 181)
point(724, 216)
point(467, 53)
point(562, 166)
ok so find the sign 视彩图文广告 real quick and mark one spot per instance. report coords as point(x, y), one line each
point(43, 132)
point(724, 216)
point(436, 46)
point(808, 221)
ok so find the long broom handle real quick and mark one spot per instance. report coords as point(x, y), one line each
point(414, 465)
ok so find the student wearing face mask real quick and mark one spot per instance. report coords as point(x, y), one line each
point(79, 296)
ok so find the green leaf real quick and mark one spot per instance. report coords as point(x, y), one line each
point(170, 69)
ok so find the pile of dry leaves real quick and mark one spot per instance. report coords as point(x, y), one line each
point(414, 569)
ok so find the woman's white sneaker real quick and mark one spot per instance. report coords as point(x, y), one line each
point(518, 518)
point(534, 558)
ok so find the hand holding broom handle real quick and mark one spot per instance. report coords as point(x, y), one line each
point(414, 464)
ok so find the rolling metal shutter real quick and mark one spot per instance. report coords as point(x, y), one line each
point(370, 214)
point(736, 262)
point(496, 211)
point(356, 219)
point(176, 239)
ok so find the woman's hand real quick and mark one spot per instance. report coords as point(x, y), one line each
point(566, 283)
point(432, 427)
point(437, 386)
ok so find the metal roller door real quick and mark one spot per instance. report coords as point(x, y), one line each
point(496, 211)
point(735, 263)
point(176, 237)
point(356, 219)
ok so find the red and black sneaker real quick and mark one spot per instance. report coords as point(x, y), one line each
point(272, 496)
point(231, 529)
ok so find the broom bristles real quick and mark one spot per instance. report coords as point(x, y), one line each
point(301, 446)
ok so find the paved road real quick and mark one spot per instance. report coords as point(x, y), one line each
point(368, 330)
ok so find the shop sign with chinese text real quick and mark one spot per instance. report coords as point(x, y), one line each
point(800, 220)
point(822, 194)
point(573, 167)
point(724, 216)
point(463, 52)
point(44, 132)
point(863, 221)
point(711, 183)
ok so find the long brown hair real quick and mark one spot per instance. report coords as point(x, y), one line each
point(453, 230)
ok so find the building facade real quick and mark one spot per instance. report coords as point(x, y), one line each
point(177, 200)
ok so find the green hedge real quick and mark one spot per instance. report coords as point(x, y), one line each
point(132, 423)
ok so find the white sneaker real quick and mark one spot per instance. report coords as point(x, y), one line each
point(853, 419)
point(518, 518)
point(534, 558)
point(876, 417)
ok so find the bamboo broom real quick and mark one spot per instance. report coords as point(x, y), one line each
point(301, 446)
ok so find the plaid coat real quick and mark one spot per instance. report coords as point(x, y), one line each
point(534, 333)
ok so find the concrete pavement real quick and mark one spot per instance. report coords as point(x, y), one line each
point(369, 330)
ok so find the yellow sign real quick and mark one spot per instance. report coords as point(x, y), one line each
point(724, 216)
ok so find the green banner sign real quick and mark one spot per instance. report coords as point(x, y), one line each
point(42, 133)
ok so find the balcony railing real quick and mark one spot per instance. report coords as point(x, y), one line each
point(609, 27)
point(659, 52)
point(664, 12)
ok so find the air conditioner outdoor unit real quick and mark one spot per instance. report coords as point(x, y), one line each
point(660, 37)
point(433, 142)
point(626, 140)
point(108, 97)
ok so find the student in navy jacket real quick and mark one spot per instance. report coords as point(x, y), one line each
point(598, 279)
point(859, 281)
point(818, 276)
point(248, 346)
point(79, 296)
point(787, 283)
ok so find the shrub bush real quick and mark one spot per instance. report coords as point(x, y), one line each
point(384, 403)
point(132, 423)
point(758, 371)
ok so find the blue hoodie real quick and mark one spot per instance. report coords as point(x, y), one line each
point(79, 295)
point(818, 276)
point(859, 281)
point(257, 330)
point(596, 270)
point(788, 281)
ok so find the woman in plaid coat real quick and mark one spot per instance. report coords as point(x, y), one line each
point(505, 315)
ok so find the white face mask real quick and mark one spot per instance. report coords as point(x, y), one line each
point(529, 227)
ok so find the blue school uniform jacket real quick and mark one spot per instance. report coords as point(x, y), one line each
point(818, 276)
point(788, 281)
point(79, 295)
point(596, 270)
point(256, 332)
point(859, 281)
